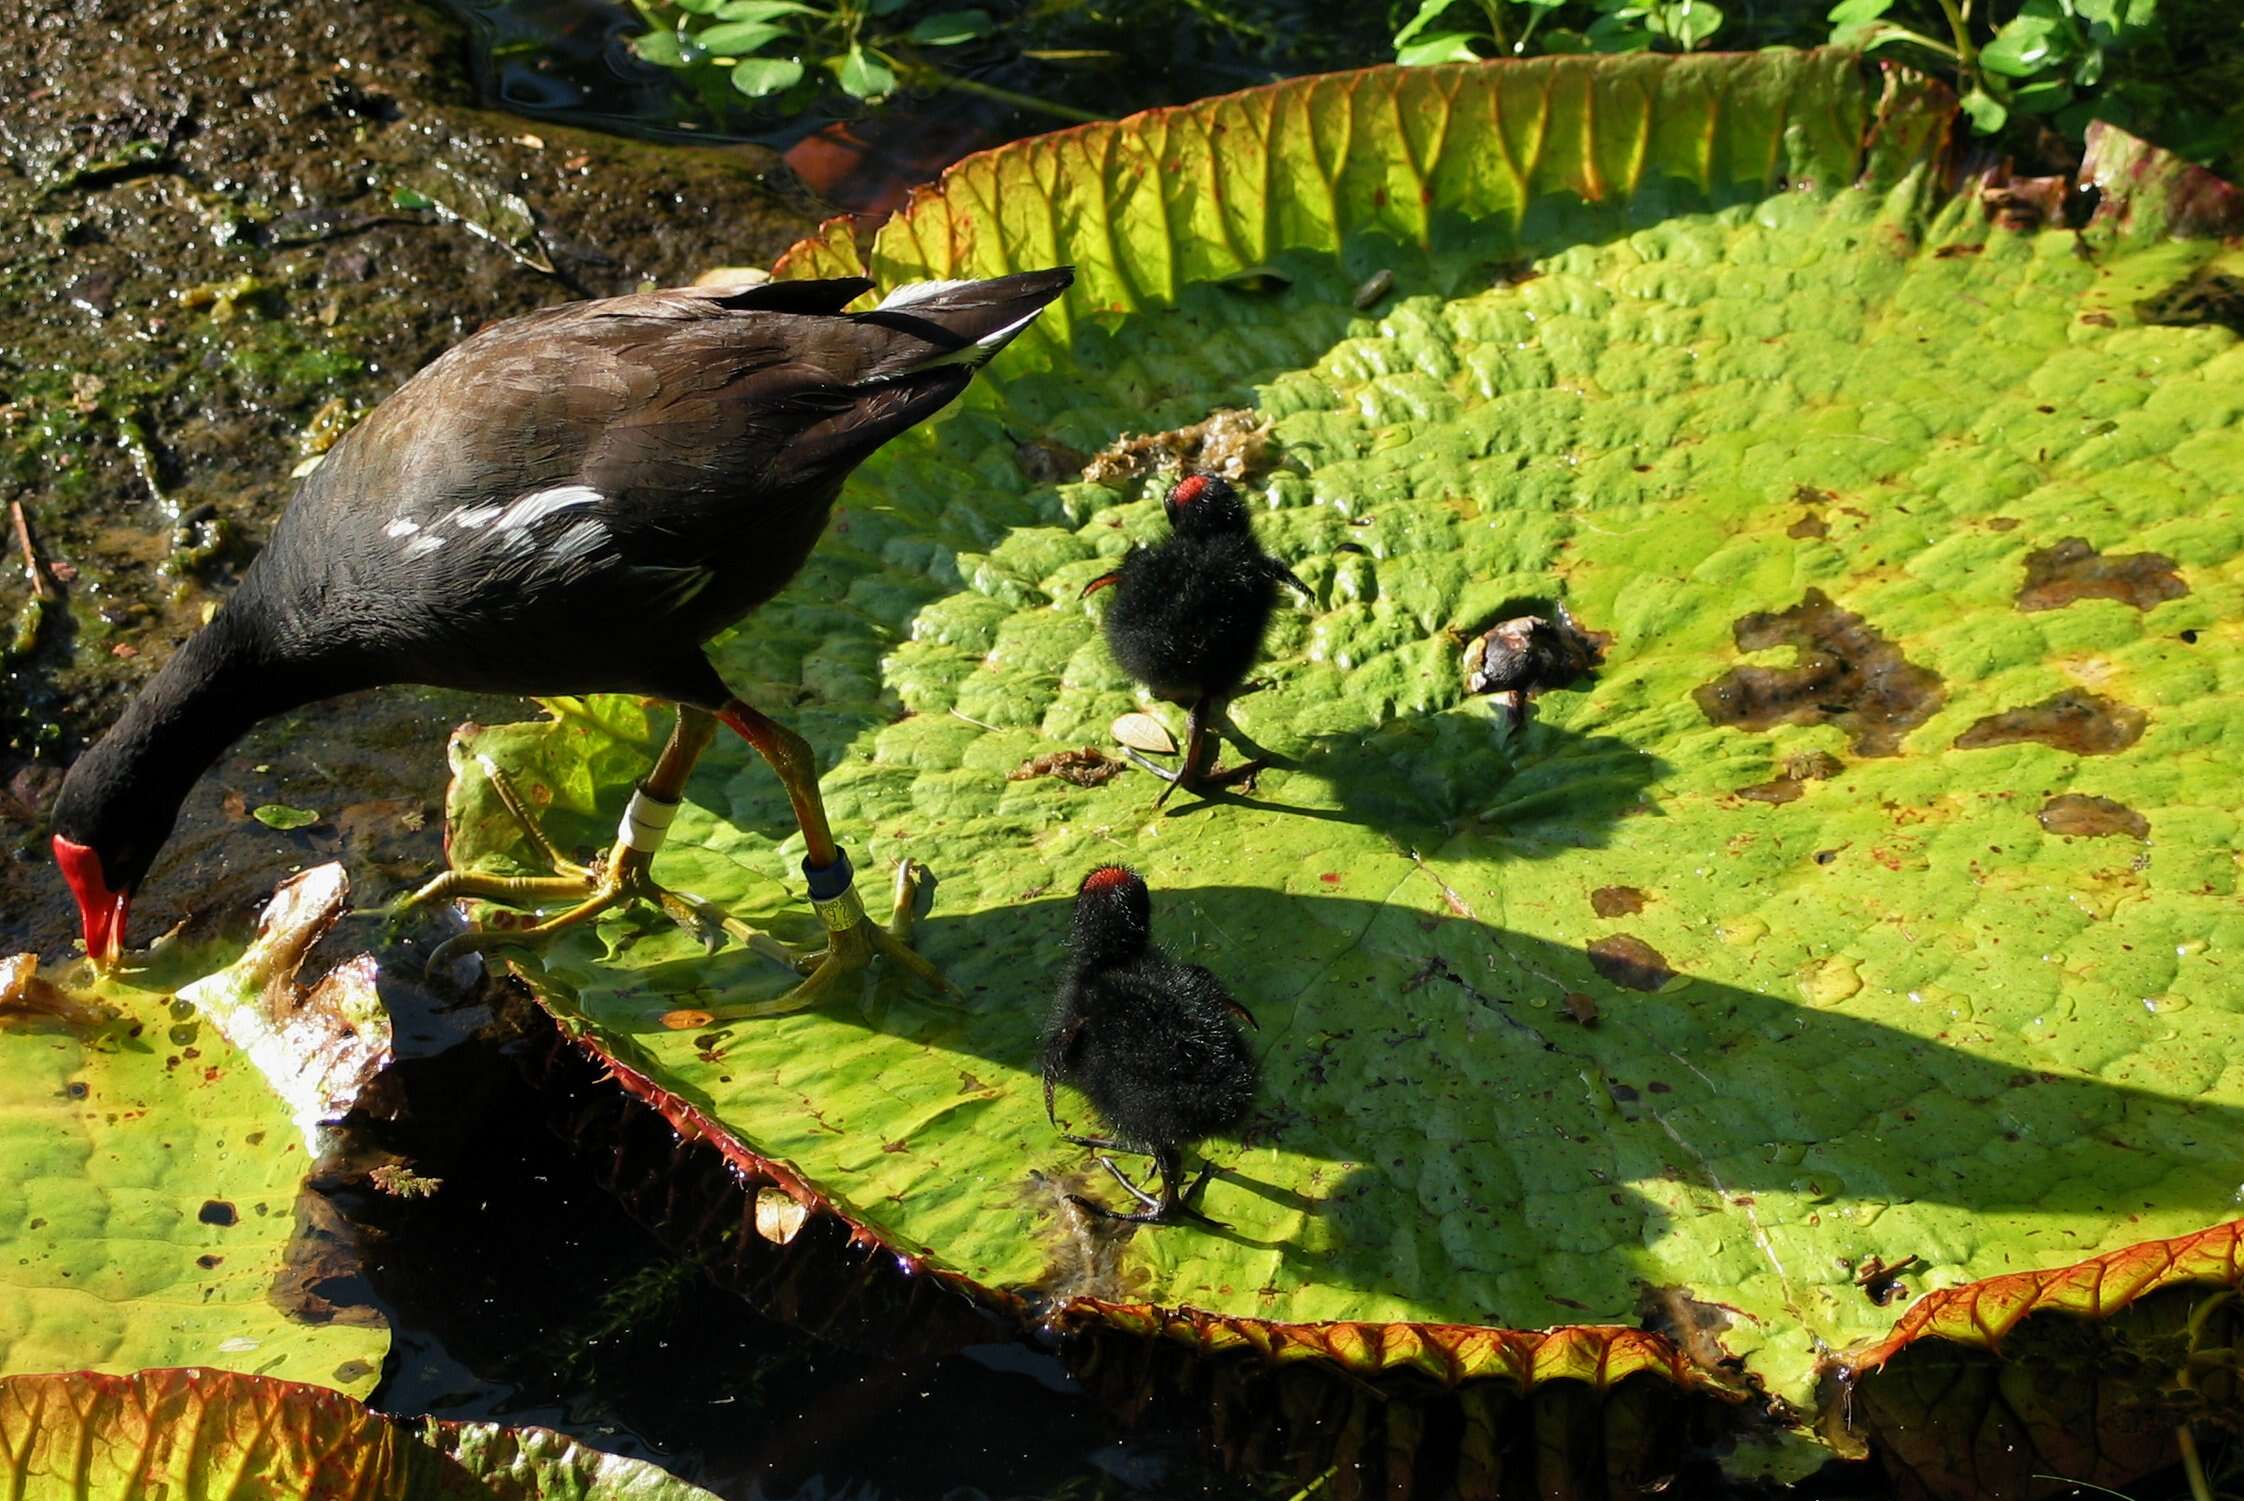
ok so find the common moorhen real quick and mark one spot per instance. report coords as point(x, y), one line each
point(1155, 1045)
point(569, 502)
point(1188, 616)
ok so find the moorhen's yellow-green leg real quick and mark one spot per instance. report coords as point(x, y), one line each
point(619, 876)
point(852, 938)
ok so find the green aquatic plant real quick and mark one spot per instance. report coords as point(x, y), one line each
point(788, 50)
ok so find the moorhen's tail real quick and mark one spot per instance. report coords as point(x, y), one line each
point(960, 322)
point(909, 357)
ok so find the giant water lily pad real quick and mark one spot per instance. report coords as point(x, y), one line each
point(1874, 906)
point(153, 1210)
point(194, 1432)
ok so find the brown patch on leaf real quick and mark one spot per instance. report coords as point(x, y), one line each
point(2072, 570)
point(1582, 1008)
point(1616, 901)
point(1809, 525)
point(2001, 523)
point(2076, 814)
point(1693, 1325)
point(1785, 786)
point(1847, 674)
point(1630, 962)
point(2087, 724)
point(1234, 443)
point(1086, 766)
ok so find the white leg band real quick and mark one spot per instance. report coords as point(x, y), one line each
point(646, 821)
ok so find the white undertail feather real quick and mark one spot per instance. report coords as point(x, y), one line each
point(972, 354)
point(919, 291)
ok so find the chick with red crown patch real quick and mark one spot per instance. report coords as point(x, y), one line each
point(1189, 615)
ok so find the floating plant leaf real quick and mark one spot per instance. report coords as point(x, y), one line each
point(149, 1214)
point(1647, 312)
point(80, 1436)
point(282, 816)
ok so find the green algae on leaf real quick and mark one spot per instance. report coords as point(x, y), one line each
point(150, 1205)
point(79, 1435)
point(1913, 1024)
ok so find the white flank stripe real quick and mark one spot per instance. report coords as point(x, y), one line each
point(422, 546)
point(542, 503)
point(401, 528)
point(474, 516)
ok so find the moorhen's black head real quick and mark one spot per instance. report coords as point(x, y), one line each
point(1204, 505)
point(1113, 916)
point(108, 827)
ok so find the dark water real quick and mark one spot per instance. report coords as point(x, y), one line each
point(519, 1293)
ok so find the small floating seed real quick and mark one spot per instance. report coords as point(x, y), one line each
point(1375, 286)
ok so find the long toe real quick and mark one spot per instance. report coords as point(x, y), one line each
point(848, 954)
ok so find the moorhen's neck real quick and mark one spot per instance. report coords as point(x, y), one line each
point(222, 680)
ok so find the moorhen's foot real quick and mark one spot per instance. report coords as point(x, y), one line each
point(617, 877)
point(853, 941)
point(1169, 1208)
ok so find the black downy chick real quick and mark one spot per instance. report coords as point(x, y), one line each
point(1188, 615)
point(1155, 1045)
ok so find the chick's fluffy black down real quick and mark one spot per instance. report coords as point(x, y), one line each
point(1188, 615)
point(1162, 1060)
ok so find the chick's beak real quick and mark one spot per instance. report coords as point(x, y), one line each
point(101, 911)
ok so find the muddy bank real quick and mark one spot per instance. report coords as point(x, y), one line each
point(226, 230)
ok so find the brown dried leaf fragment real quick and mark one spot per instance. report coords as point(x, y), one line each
point(23, 993)
point(1234, 443)
point(1086, 766)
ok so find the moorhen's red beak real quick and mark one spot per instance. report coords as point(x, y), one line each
point(100, 910)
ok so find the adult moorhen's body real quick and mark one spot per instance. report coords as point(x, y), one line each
point(1155, 1045)
point(569, 502)
point(1189, 615)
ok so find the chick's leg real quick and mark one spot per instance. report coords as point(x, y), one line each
point(1198, 769)
point(1170, 1206)
point(619, 876)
